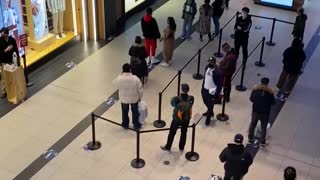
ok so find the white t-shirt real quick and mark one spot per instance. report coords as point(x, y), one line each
point(208, 82)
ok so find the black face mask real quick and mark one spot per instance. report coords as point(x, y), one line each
point(211, 66)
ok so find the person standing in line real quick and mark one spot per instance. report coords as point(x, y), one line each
point(204, 26)
point(151, 33)
point(242, 28)
point(211, 88)
point(293, 59)
point(8, 47)
point(218, 8)
point(188, 14)
point(138, 62)
point(289, 173)
point(262, 99)
point(300, 24)
point(168, 41)
point(182, 113)
point(228, 66)
point(236, 159)
point(130, 93)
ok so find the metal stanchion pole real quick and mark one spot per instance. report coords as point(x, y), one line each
point(159, 123)
point(260, 63)
point(179, 82)
point(138, 162)
point(198, 76)
point(192, 156)
point(232, 35)
point(93, 145)
point(241, 87)
point(25, 69)
point(219, 54)
point(223, 116)
point(270, 43)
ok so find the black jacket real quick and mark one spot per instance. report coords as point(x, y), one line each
point(299, 25)
point(262, 99)
point(216, 78)
point(150, 27)
point(218, 9)
point(6, 57)
point(138, 68)
point(237, 160)
point(293, 58)
point(242, 26)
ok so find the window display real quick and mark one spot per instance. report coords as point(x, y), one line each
point(282, 2)
point(39, 19)
point(130, 4)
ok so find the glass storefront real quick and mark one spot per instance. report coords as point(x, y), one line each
point(49, 24)
point(130, 4)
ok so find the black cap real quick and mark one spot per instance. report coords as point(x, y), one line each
point(213, 60)
point(246, 9)
point(4, 30)
point(185, 88)
point(265, 81)
point(238, 138)
point(138, 40)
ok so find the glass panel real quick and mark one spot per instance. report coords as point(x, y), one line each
point(130, 4)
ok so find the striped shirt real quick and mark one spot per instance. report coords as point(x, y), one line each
point(56, 6)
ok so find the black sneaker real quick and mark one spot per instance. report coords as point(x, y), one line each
point(164, 148)
point(263, 144)
point(207, 122)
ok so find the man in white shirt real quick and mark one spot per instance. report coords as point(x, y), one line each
point(130, 93)
point(211, 87)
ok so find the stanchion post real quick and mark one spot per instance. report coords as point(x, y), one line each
point(260, 63)
point(237, 15)
point(219, 54)
point(138, 162)
point(192, 156)
point(241, 87)
point(25, 69)
point(270, 43)
point(179, 82)
point(159, 123)
point(198, 76)
point(223, 116)
point(93, 145)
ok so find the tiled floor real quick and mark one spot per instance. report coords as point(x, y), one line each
point(30, 129)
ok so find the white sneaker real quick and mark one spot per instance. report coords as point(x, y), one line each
point(63, 35)
point(164, 64)
point(154, 60)
point(57, 36)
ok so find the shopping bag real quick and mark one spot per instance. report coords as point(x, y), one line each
point(143, 111)
point(257, 131)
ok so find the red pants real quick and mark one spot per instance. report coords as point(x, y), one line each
point(151, 45)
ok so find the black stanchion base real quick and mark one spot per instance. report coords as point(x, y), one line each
point(159, 123)
point(29, 84)
point(192, 156)
point(197, 76)
point(138, 163)
point(269, 43)
point(218, 55)
point(259, 64)
point(92, 146)
point(241, 88)
point(222, 117)
point(232, 36)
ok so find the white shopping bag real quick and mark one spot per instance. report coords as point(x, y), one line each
point(143, 111)
point(257, 131)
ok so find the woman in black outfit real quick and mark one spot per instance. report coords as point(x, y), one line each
point(138, 63)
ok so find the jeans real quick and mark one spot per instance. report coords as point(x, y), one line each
point(264, 119)
point(172, 132)
point(135, 115)
point(208, 100)
point(216, 22)
point(187, 29)
point(292, 78)
point(227, 87)
point(241, 41)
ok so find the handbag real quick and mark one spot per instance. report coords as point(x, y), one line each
point(143, 112)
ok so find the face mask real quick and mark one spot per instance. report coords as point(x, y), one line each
point(244, 15)
point(211, 66)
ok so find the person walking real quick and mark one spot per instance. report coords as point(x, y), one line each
point(299, 24)
point(228, 66)
point(168, 39)
point(211, 88)
point(293, 59)
point(188, 14)
point(262, 99)
point(236, 159)
point(182, 113)
point(242, 28)
point(151, 33)
point(290, 173)
point(227, 4)
point(8, 46)
point(218, 8)
point(138, 62)
point(204, 26)
point(130, 93)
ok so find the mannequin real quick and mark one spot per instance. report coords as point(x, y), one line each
point(39, 18)
point(57, 8)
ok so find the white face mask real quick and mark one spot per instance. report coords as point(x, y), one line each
point(244, 15)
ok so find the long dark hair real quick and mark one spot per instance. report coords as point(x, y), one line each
point(172, 24)
point(206, 7)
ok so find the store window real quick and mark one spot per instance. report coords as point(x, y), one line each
point(49, 24)
point(282, 2)
point(130, 4)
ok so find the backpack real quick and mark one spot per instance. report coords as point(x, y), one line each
point(185, 109)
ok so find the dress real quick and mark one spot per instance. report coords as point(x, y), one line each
point(168, 44)
point(204, 26)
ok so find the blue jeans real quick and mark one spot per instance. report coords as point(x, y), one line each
point(135, 115)
point(216, 22)
point(187, 29)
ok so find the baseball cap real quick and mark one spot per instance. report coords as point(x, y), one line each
point(238, 138)
point(185, 88)
point(213, 60)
